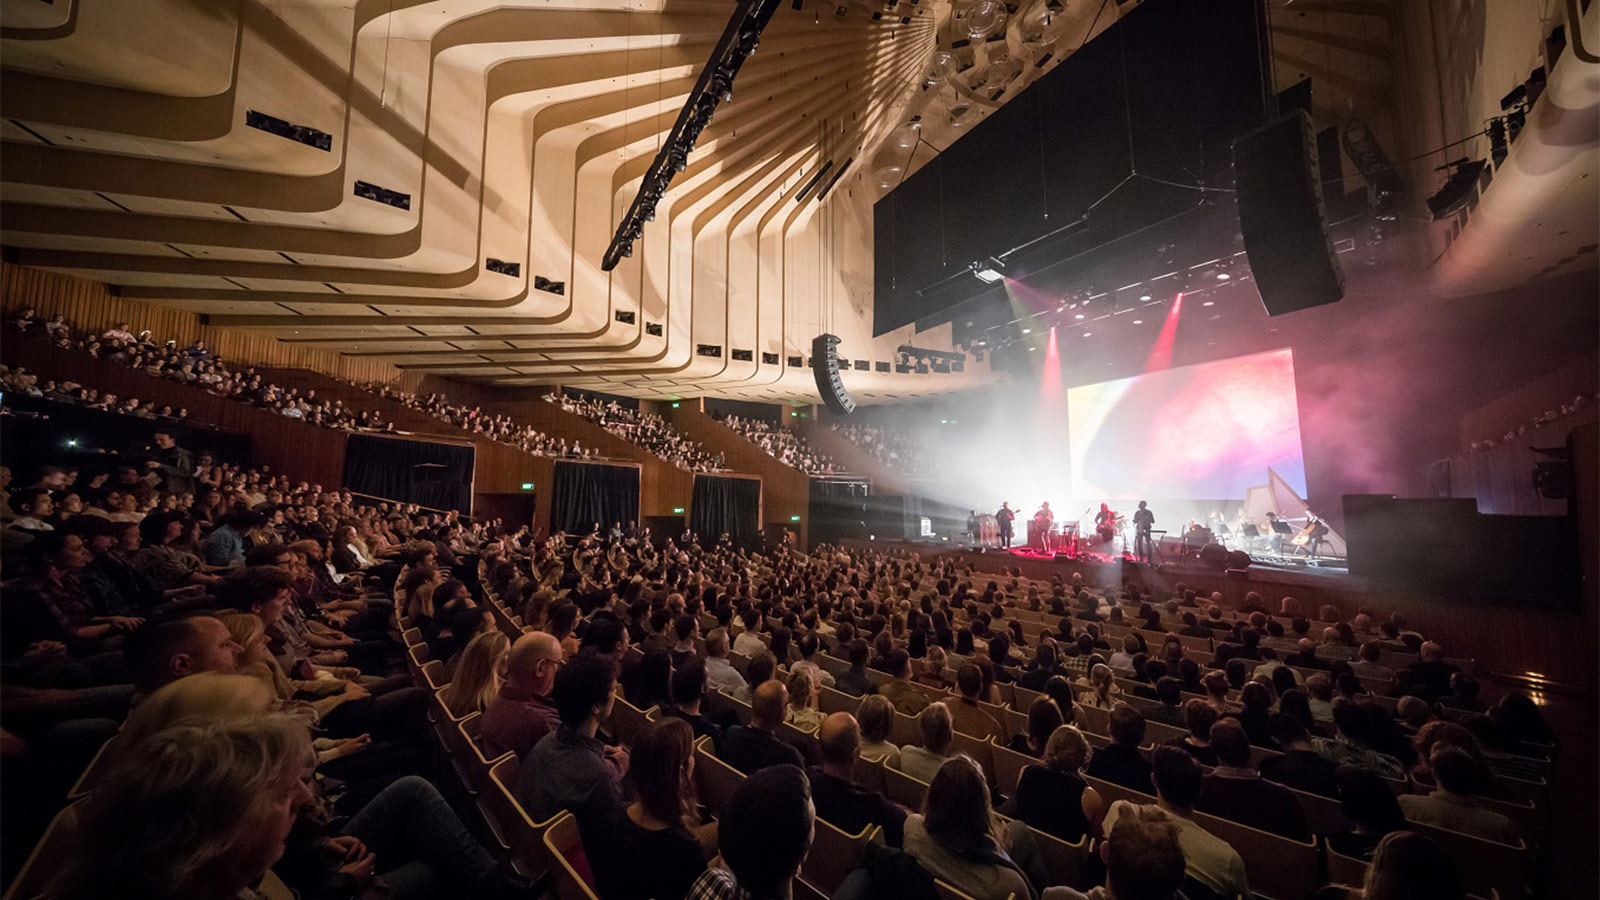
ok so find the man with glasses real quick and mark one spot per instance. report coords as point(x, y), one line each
point(523, 712)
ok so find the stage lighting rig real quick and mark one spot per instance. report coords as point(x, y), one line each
point(988, 270)
point(715, 85)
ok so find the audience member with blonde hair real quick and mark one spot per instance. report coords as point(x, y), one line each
point(1053, 797)
point(199, 811)
point(477, 677)
point(802, 712)
point(937, 730)
point(204, 698)
point(876, 718)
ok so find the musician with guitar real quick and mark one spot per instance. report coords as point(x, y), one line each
point(1106, 522)
point(1310, 538)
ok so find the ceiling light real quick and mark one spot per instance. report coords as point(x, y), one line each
point(1209, 303)
point(1031, 349)
point(1027, 331)
point(1087, 333)
point(1144, 298)
point(1138, 321)
point(1223, 276)
point(1078, 316)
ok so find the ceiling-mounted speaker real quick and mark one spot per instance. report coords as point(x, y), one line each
point(825, 366)
point(1281, 216)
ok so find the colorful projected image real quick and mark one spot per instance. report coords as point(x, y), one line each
point(1205, 432)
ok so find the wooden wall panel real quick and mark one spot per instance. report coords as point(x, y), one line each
point(90, 306)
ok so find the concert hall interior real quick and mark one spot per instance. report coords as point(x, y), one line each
point(683, 450)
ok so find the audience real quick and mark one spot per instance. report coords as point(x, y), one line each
point(937, 731)
point(522, 712)
point(1455, 803)
point(651, 847)
point(1372, 809)
point(647, 431)
point(1235, 791)
point(788, 447)
point(1208, 860)
point(839, 801)
point(1121, 762)
point(570, 769)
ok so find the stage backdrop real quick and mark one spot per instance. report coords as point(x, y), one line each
point(726, 505)
point(584, 496)
point(434, 475)
point(1204, 432)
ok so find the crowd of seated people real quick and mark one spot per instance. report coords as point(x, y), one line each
point(497, 428)
point(905, 451)
point(195, 365)
point(647, 431)
point(280, 736)
point(788, 447)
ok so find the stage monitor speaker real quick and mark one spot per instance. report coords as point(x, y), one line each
point(1279, 194)
point(1214, 555)
point(825, 366)
point(1238, 559)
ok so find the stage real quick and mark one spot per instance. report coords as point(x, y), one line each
point(1313, 586)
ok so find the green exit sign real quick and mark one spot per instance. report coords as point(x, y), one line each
point(527, 485)
point(674, 404)
point(677, 510)
point(794, 518)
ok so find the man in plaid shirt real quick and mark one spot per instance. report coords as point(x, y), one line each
point(765, 835)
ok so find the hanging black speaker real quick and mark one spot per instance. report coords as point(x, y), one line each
point(825, 366)
point(1281, 216)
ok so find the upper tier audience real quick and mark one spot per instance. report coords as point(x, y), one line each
point(905, 451)
point(646, 430)
point(788, 447)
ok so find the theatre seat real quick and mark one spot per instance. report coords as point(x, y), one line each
point(903, 789)
point(1067, 864)
point(52, 852)
point(834, 855)
point(715, 779)
point(565, 849)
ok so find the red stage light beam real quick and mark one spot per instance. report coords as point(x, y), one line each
point(1050, 420)
point(1161, 354)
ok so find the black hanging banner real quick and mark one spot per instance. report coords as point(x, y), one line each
point(434, 475)
point(723, 504)
point(589, 496)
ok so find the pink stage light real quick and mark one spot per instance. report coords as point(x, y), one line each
point(1161, 354)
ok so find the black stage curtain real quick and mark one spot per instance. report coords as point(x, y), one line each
point(437, 476)
point(838, 510)
point(586, 496)
point(723, 505)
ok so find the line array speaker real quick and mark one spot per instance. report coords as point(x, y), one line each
point(1281, 216)
point(825, 366)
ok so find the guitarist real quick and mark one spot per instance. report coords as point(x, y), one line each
point(1105, 523)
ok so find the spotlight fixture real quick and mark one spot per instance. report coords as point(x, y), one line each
point(1144, 298)
point(988, 270)
point(1458, 190)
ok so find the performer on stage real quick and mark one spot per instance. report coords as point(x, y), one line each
point(1143, 521)
point(1004, 516)
point(1105, 523)
point(974, 528)
point(1042, 520)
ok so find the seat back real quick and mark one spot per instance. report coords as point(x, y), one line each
point(1486, 865)
point(903, 789)
point(104, 760)
point(715, 780)
point(720, 701)
point(626, 721)
point(869, 775)
point(948, 891)
point(834, 855)
point(830, 701)
point(1345, 869)
point(478, 764)
point(905, 731)
point(1008, 766)
point(1067, 864)
point(980, 751)
point(49, 857)
point(1278, 868)
point(433, 675)
point(522, 834)
point(564, 847)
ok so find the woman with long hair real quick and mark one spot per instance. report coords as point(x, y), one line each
point(1104, 692)
point(656, 847)
point(958, 840)
point(476, 681)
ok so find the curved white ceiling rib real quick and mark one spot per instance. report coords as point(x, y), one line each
point(520, 130)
